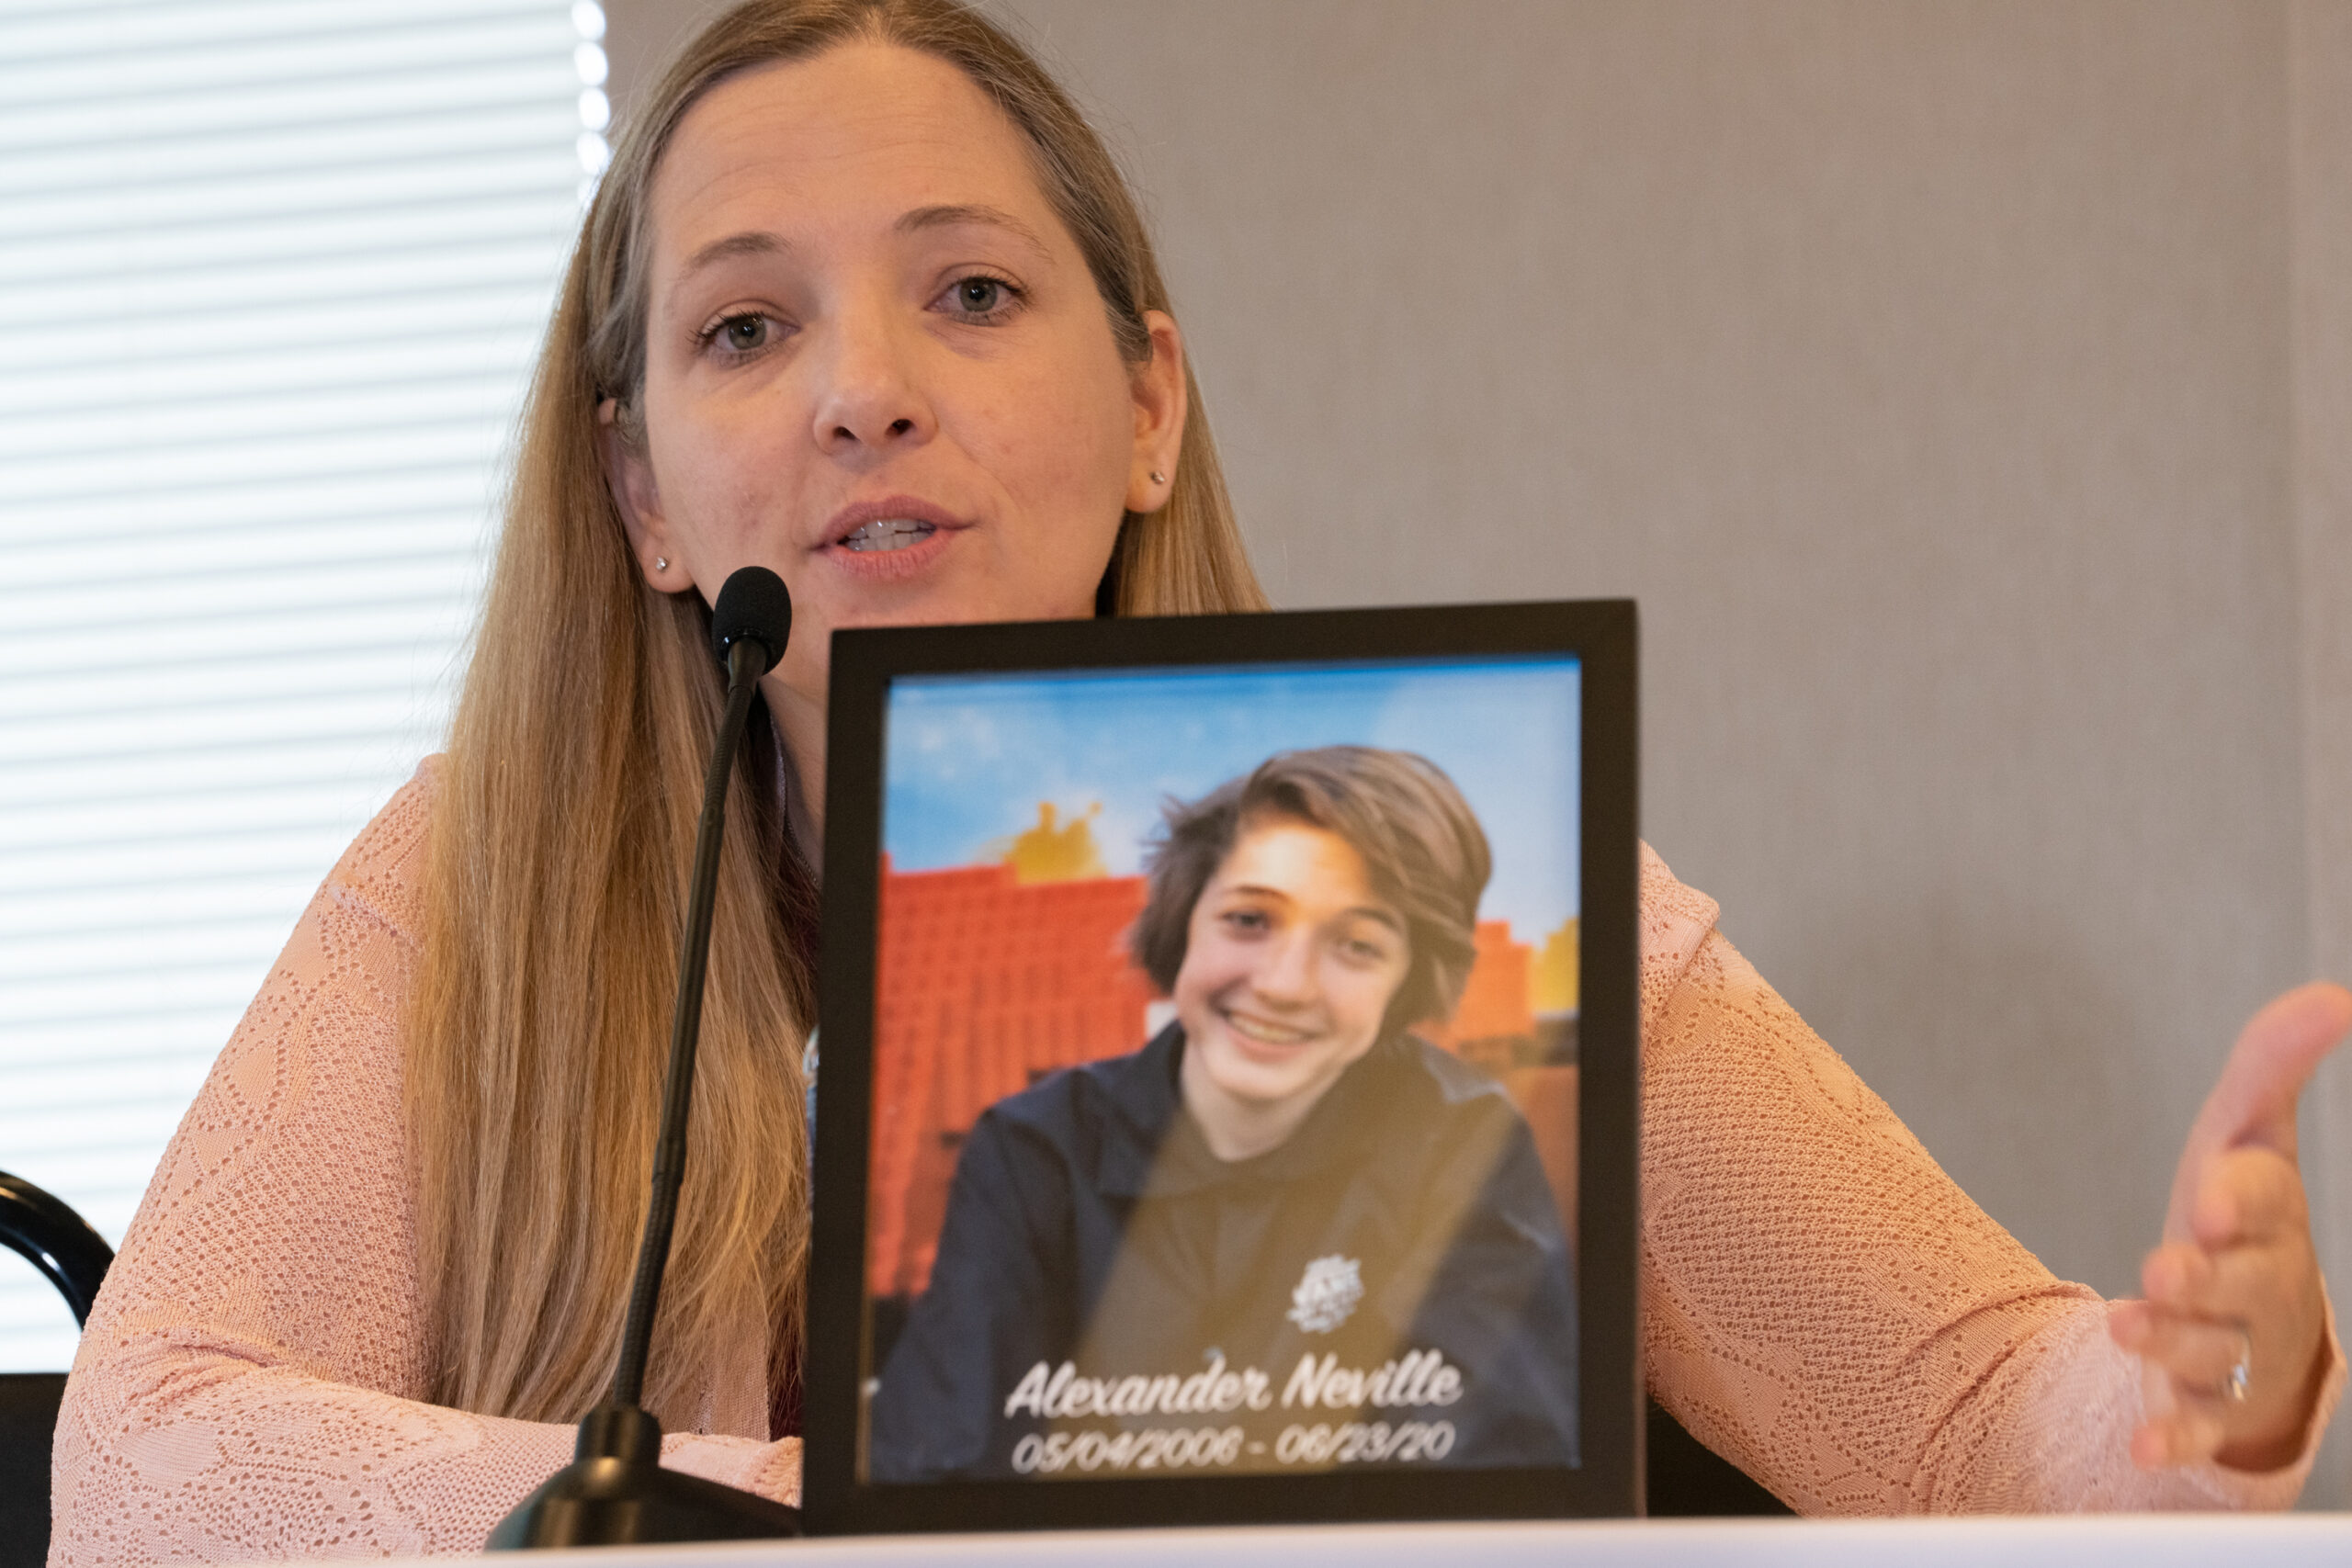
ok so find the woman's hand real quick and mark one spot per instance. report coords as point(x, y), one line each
point(2229, 1335)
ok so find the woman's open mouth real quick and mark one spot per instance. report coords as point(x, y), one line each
point(889, 533)
point(891, 539)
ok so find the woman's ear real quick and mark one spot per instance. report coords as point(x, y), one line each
point(629, 475)
point(1160, 407)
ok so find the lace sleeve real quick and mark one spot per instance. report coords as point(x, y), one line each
point(1825, 1307)
point(249, 1383)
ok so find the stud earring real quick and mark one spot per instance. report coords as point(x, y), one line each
point(661, 563)
point(1158, 478)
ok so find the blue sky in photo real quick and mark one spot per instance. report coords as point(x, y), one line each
point(968, 758)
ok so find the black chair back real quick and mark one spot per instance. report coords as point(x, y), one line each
point(59, 1243)
point(56, 1240)
point(28, 1402)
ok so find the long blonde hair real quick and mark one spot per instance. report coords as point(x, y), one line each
point(564, 821)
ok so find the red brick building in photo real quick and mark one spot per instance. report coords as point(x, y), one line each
point(1495, 1011)
point(983, 985)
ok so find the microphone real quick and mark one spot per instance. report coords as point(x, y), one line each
point(615, 1492)
point(753, 603)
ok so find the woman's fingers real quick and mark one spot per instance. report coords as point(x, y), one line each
point(2269, 1292)
point(2236, 1277)
point(2253, 1104)
point(2198, 1353)
point(2229, 1344)
point(2186, 1413)
point(2238, 1284)
point(2242, 1297)
point(2248, 1195)
point(2177, 1431)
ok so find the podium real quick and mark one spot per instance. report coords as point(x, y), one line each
point(2139, 1541)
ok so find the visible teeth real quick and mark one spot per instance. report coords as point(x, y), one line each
point(1266, 1033)
point(889, 533)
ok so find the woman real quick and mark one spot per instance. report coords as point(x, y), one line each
point(1283, 1183)
point(861, 297)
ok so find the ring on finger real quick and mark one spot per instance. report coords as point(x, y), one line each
point(2241, 1372)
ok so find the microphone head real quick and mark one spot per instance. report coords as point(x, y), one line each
point(753, 603)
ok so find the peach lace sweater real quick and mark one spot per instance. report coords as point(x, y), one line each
point(1823, 1305)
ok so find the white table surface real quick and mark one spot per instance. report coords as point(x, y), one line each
point(2140, 1541)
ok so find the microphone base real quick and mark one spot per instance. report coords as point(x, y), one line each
point(627, 1498)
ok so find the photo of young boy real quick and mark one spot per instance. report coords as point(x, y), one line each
point(1290, 1232)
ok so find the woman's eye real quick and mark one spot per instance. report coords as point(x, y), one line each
point(979, 296)
point(1248, 922)
point(745, 333)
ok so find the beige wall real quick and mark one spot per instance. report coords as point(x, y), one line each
point(1964, 390)
point(2321, 157)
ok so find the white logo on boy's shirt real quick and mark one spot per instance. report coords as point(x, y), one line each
point(1327, 1294)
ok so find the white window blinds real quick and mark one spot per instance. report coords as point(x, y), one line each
point(271, 276)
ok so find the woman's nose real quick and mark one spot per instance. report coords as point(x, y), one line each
point(870, 402)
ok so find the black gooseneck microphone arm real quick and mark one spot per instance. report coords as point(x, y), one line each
point(615, 1492)
point(747, 660)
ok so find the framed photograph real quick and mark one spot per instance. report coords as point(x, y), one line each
point(1228, 1104)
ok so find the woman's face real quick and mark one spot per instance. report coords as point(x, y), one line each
point(1290, 964)
point(878, 364)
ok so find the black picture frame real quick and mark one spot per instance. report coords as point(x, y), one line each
point(1602, 635)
